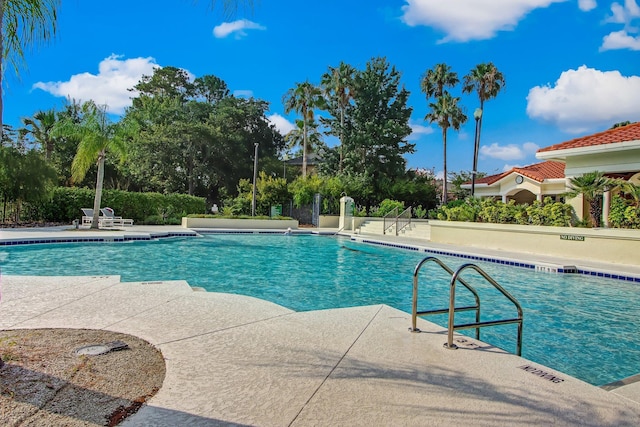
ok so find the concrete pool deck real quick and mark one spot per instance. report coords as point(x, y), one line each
point(236, 360)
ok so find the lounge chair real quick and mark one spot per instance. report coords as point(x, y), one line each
point(110, 219)
point(87, 217)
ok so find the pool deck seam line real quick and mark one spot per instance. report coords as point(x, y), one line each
point(335, 366)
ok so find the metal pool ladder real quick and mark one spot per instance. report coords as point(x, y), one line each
point(455, 277)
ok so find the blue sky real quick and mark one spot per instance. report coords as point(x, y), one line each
point(572, 67)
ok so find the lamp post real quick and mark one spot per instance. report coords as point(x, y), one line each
point(476, 146)
point(255, 177)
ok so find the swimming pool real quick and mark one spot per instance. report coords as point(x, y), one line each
point(580, 325)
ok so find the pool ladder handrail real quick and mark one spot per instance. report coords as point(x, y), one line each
point(455, 277)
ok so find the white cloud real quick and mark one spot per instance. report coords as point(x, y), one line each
point(620, 40)
point(243, 93)
point(464, 20)
point(238, 27)
point(503, 152)
point(586, 99)
point(530, 147)
point(623, 14)
point(625, 38)
point(283, 125)
point(417, 130)
point(587, 5)
point(109, 87)
point(507, 167)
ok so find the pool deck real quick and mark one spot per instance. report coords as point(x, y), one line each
point(237, 360)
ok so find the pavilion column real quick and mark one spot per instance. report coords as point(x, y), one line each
point(504, 198)
point(540, 199)
point(606, 207)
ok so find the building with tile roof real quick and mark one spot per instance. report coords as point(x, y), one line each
point(614, 152)
point(523, 184)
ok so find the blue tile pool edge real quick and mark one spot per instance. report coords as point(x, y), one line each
point(571, 270)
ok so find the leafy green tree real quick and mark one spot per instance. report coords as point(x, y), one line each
point(304, 98)
point(376, 128)
point(337, 84)
point(40, 128)
point(24, 177)
point(197, 140)
point(165, 83)
point(458, 178)
point(591, 186)
point(211, 88)
point(446, 113)
point(23, 23)
point(97, 137)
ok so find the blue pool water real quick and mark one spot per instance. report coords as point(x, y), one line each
point(581, 325)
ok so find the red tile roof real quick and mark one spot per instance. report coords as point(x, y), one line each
point(538, 172)
point(629, 132)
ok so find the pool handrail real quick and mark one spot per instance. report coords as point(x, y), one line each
point(415, 313)
point(452, 326)
point(392, 218)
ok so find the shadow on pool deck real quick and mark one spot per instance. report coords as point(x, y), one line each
point(239, 360)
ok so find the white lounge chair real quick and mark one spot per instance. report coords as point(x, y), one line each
point(87, 217)
point(109, 219)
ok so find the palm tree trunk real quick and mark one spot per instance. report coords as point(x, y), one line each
point(444, 178)
point(304, 145)
point(595, 208)
point(2, 4)
point(341, 138)
point(98, 198)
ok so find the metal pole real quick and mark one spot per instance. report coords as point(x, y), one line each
point(255, 178)
point(476, 146)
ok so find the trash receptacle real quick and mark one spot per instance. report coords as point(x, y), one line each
point(75, 223)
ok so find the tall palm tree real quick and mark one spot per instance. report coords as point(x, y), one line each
point(591, 186)
point(97, 137)
point(40, 126)
point(24, 23)
point(446, 113)
point(337, 84)
point(295, 137)
point(304, 98)
point(445, 110)
point(487, 81)
point(434, 81)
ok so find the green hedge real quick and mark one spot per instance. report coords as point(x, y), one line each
point(548, 213)
point(65, 203)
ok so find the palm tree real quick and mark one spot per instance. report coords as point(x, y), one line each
point(435, 80)
point(446, 113)
point(295, 137)
point(338, 85)
point(591, 186)
point(303, 99)
point(24, 23)
point(41, 128)
point(97, 137)
point(487, 82)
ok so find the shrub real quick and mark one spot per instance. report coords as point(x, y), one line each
point(386, 206)
point(65, 203)
point(623, 214)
